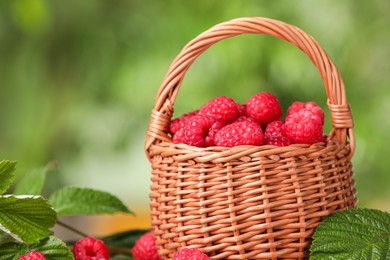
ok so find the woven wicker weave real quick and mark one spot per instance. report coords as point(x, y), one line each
point(248, 202)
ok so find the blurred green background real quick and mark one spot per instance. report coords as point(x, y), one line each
point(78, 81)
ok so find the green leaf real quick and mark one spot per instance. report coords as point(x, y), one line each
point(124, 239)
point(7, 174)
point(6, 238)
point(85, 201)
point(26, 218)
point(52, 247)
point(32, 183)
point(353, 234)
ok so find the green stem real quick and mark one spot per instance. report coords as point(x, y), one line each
point(72, 228)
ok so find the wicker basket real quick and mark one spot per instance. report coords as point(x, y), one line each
point(248, 202)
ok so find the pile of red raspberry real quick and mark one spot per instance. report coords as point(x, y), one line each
point(224, 122)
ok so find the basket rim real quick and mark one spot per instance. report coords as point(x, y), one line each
point(245, 153)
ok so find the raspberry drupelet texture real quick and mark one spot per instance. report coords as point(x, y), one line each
point(90, 248)
point(303, 127)
point(195, 131)
point(145, 248)
point(243, 132)
point(33, 255)
point(245, 118)
point(178, 123)
point(190, 254)
point(264, 108)
point(312, 106)
point(274, 134)
point(210, 138)
point(178, 137)
point(222, 108)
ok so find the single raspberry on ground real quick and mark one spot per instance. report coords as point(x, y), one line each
point(264, 108)
point(145, 248)
point(178, 123)
point(90, 248)
point(222, 108)
point(312, 106)
point(195, 131)
point(243, 132)
point(190, 254)
point(274, 134)
point(33, 255)
point(303, 127)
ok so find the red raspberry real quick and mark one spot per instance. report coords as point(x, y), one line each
point(303, 127)
point(178, 123)
point(178, 137)
point(241, 109)
point(312, 106)
point(195, 131)
point(243, 132)
point(33, 255)
point(264, 108)
point(274, 134)
point(295, 107)
point(209, 140)
point(246, 118)
point(145, 248)
point(190, 254)
point(322, 139)
point(222, 108)
point(90, 248)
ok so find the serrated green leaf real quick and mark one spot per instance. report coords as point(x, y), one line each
point(7, 174)
point(52, 247)
point(32, 183)
point(26, 218)
point(85, 201)
point(353, 234)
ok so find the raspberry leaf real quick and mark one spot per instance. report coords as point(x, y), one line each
point(353, 234)
point(32, 183)
point(52, 247)
point(7, 174)
point(125, 239)
point(85, 201)
point(26, 218)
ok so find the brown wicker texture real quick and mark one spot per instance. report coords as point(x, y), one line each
point(248, 202)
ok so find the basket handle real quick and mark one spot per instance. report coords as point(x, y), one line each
point(340, 111)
